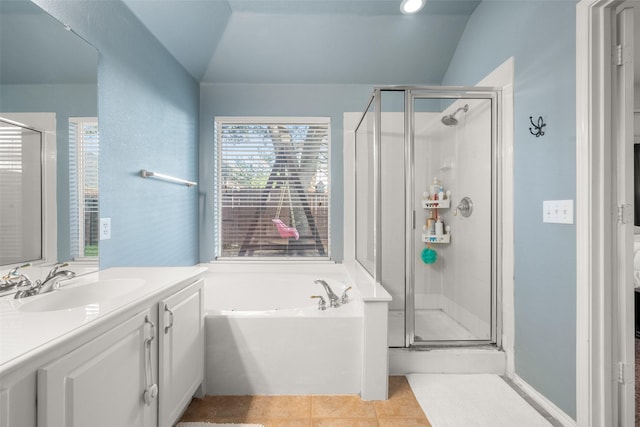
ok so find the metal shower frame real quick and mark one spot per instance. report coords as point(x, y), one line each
point(433, 92)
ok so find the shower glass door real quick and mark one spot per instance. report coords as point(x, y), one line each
point(451, 245)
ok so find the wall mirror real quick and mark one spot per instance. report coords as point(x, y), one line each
point(48, 82)
point(636, 167)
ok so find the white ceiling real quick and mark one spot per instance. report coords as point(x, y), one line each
point(307, 41)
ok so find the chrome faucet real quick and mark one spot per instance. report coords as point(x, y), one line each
point(55, 276)
point(334, 301)
point(26, 288)
point(14, 278)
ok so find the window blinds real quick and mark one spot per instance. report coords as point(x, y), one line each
point(273, 187)
point(83, 182)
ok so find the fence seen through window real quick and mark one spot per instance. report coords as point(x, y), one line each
point(83, 186)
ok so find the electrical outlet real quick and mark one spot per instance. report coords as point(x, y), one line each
point(105, 228)
point(557, 211)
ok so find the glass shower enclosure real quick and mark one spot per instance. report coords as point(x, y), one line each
point(427, 203)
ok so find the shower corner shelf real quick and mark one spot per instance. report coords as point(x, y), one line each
point(436, 204)
point(434, 238)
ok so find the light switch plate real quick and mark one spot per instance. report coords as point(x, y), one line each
point(557, 211)
point(105, 228)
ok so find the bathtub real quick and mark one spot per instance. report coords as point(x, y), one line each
point(265, 335)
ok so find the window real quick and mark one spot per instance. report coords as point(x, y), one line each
point(272, 187)
point(83, 183)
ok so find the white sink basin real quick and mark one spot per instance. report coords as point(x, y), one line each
point(76, 296)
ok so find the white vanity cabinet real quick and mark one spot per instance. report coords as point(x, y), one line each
point(133, 360)
point(18, 400)
point(181, 351)
point(103, 382)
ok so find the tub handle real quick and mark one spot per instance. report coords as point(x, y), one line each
point(322, 304)
point(168, 310)
point(345, 296)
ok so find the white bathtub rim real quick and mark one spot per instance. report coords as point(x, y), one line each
point(277, 293)
point(352, 309)
point(349, 270)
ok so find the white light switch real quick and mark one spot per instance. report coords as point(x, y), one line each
point(105, 228)
point(557, 211)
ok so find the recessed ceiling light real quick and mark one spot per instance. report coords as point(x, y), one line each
point(409, 7)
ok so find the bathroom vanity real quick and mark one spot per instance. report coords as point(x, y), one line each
point(122, 347)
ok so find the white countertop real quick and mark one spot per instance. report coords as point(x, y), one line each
point(23, 334)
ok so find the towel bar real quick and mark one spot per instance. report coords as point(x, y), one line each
point(146, 174)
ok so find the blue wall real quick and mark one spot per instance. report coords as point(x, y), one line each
point(541, 37)
point(277, 100)
point(70, 100)
point(148, 108)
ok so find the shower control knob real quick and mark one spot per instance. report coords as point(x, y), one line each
point(465, 207)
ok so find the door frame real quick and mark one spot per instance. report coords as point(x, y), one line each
point(596, 264)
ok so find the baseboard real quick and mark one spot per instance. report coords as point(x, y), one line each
point(545, 403)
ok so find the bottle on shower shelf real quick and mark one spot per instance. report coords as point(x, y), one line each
point(435, 188)
point(431, 224)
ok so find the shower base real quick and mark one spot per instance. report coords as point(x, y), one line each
point(436, 325)
point(431, 325)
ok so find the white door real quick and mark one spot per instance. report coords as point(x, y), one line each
point(622, 146)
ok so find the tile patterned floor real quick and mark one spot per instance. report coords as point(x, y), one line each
point(401, 410)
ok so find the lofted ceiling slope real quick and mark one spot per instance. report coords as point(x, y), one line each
point(37, 49)
point(307, 41)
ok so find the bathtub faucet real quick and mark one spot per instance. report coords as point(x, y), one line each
point(334, 301)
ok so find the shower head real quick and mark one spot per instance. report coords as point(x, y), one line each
point(450, 119)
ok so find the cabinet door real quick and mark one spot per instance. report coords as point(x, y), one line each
point(181, 331)
point(18, 400)
point(101, 383)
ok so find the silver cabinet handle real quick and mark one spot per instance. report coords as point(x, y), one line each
point(168, 310)
point(151, 392)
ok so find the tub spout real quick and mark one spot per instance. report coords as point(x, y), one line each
point(334, 301)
